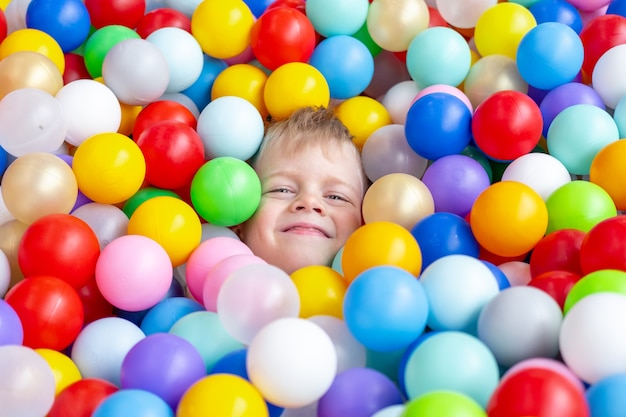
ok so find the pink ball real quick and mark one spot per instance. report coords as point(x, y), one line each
point(133, 272)
point(205, 256)
point(219, 273)
point(444, 88)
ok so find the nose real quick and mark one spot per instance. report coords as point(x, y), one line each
point(308, 202)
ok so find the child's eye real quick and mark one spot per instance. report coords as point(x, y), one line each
point(279, 190)
point(336, 197)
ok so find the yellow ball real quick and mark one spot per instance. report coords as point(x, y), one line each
point(500, 29)
point(220, 395)
point(321, 290)
point(242, 80)
point(362, 116)
point(34, 40)
point(109, 167)
point(292, 86)
point(63, 368)
point(222, 27)
point(171, 222)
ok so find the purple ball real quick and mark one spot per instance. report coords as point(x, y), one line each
point(81, 199)
point(358, 392)
point(564, 96)
point(164, 364)
point(11, 330)
point(455, 181)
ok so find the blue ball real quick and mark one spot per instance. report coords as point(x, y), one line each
point(200, 91)
point(346, 64)
point(4, 160)
point(385, 308)
point(133, 403)
point(67, 21)
point(438, 124)
point(257, 7)
point(161, 317)
point(560, 11)
point(549, 55)
point(617, 7)
point(443, 233)
point(606, 397)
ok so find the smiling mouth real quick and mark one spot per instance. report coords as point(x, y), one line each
point(305, 230)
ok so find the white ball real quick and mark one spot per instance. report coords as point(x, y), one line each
point(136, 71)
point(463, 13)
point(398, 99)
point(292, 362)
point(183, 54)
point(230, 126)
point(350, 353)
point(107, 221)
point(608, 75)
point(592, 338)
point(540, 171)
point(90, 107)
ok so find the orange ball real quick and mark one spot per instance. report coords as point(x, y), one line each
point(380, 243)
point(608, 171)
point(508, 218)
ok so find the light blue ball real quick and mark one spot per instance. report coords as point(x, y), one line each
point(578, 133)
point(331, 17)
point(438, 55)
point(346, 64)
point(549, 55)
point(452, 361)
point(133, 403)
point(606, 397)
point(619, 115)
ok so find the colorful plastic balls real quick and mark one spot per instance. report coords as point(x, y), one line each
point(31, 120)
point(392, 24)
point(81, 398)
point(564, 96)
point(399, 198)
point(294, 85)
point(362, 116)
point(346, 64)
point(225, 394)
point(33, 40)
point(558, 250)
point(116, 12)
point(222, 28)
point(100, 43)
point(607, 171)
point(253, 296)
point(358, 392)
point(556, 283)
point(380, 243)
point(560, 11)
point(350, 353)
point(603, 248)
point(602, 280)
point(438, 55)
point(133, 402)
point(28, 383)
point(590, 344)
point(443, 403)
point(589, 5)
point(509, 218)
point(578, 205)
point(461, 14)
point(225, 191)
point(437, 125)
point(385, 308)
point(605, 396)
point(11, 330)
point(605, 78)
point(160, 18)
point(292, 362)
point(111, 156)
point(242, 80)
point(68, 21)
point(50, 310)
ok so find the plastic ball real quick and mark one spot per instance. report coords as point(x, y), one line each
point(350, 353)
point(81, 398)
point(517, 271)
point(556, 283)
point(602, 247)
point(50, 310)
point(146, 266)
point(349, 389)
point(294, 85)
point(549, 364)
point(391, 411)
point(392, 24)
point(225, 394)
point(377, 244)
point(133, 402)
point(68, 22)
point(162, 111)
point(332, 19)
point(142, 195)
point(362, 116)
point(509, 218)
point(200, 91)
point(463, 15)
point(598, 36)
point(443, 403)
point(578, 205)
point(500, 29)
point(244, 304)
point(28, 385)
point(242, 80)
point(399, 198)
point(386, 151)
point(445, 88)
point(100, 43)
point(604, 397)
point(162, 17)
point(161, 317)
point(604, 280)
point(31, 120)
point(33, 40)
point(455, 182)
point(59, 245)
point(389, 70)
point(438, 55)
point(12, 232)
point(560, 11)
point(321, 290)
point(118, 12)
point(64, 370)
point(299, 369)
point(222, 29)
point(558, 250)
point(28, 69)
point(607, 171)
point(94, 304)
point(605, 79)
point(398, 99)
point(11, 330)
point(540, 171)
point(225, 191)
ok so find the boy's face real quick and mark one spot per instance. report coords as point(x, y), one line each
point(311, 204)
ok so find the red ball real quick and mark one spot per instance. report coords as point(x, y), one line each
point(435, 18)
point(537, 392)
point(50, 310)
point(60, 245)
point(282, 35)
point(299, 5)
point(95, 305)
point(75, 68)
point(557, 284)
point(599, 35)
point(558, 250)
point(162, 111)
point(161, 18)
point(115, 12)
point(604, 246)
point(81, 398)
point(173, 152)
point(507, 125)
point(3, 26)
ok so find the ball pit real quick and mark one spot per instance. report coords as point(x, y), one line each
point(496, 242)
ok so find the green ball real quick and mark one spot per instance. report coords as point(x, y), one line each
point(142, 195)
point(443, 404)
point(578, 205)
point(225, 191)
point(604, 280)
point(100, 42)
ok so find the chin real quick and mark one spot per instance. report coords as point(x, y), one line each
point(294, 263)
